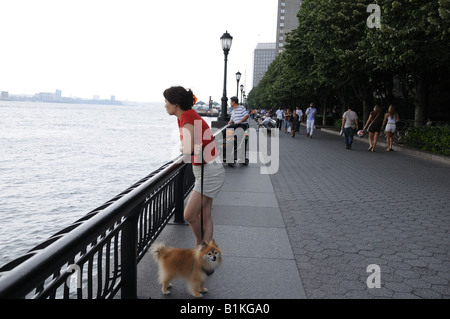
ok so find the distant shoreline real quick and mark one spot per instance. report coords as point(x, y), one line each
point(84, 102)
point(63, 100)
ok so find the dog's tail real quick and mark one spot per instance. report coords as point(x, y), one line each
point(157, 249)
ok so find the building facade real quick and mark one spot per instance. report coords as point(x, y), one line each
point(265, 53)
point(287, 21)
point(263, 56)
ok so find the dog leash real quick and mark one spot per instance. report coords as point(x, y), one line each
point(201, 198)
point(201, 189)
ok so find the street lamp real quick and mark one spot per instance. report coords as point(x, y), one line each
point(238, 78)
point(242, 90)
point(226, 39)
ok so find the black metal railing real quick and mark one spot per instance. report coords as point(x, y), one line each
point(97, 256)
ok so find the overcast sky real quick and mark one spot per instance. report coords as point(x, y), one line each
point(133, 49)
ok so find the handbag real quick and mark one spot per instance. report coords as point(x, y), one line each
point(370, 125)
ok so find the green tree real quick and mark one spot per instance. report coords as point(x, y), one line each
point(333, 52)
point(331, 33)
point(413, 43)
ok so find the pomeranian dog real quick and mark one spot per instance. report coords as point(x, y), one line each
point(192, 264)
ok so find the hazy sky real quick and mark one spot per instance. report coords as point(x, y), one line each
point(133, 49)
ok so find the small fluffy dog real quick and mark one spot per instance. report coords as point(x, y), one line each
point(192, 264)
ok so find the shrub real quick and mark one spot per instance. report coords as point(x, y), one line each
point(338, 124)
point(319, 119)
point(435, 139)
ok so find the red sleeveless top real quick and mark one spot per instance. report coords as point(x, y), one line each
point(202, 135)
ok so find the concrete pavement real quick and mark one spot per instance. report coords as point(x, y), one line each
point(258, 261)
point(312, 229)
point(345, 210)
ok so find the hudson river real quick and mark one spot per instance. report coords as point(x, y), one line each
point(60, 161)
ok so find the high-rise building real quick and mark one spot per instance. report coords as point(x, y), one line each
point(58, 95)
point(287, 20)
point(263, 56)
point(265, 53)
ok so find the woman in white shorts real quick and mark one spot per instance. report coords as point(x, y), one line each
point(390, 123)
point(196, 138)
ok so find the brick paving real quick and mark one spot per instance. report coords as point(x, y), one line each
point(345, 210)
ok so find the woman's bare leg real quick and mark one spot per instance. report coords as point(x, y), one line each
point(192, 216)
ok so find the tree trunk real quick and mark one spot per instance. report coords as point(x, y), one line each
point(364, 93)
point(419, 93)
point(420, 101)
point(323, 101)
point(366, 111)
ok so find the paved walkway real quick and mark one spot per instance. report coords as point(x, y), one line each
point(312, 229)
point(258, 261)
point(345, 210)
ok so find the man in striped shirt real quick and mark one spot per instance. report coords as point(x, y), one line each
point(239, 121)
point(239, 116)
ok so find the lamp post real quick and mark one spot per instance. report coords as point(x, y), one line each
point(238, 78)
point(226, 39)
point(242, 90)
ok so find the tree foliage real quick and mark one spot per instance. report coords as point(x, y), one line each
point(334, 55)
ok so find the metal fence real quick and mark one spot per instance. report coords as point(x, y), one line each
point(97, 256)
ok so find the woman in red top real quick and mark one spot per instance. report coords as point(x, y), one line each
point(195, 134)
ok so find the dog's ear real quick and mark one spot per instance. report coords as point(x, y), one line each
point(213, 242)
point(203, 245)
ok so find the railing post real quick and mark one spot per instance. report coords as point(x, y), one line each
point(129, 256)
point(179, 197)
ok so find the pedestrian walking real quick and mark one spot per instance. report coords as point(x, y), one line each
point(295, 122)
point(279, 114)
point(390, 124)
point(373, 124)
point(310, 119)
point(349, 125)
point(299, 113)
point(287, 120)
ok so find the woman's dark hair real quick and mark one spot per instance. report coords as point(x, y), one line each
point(179, 95)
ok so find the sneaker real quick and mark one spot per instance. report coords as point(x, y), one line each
point(307, 135)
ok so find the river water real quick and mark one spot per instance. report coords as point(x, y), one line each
point(60, 161)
